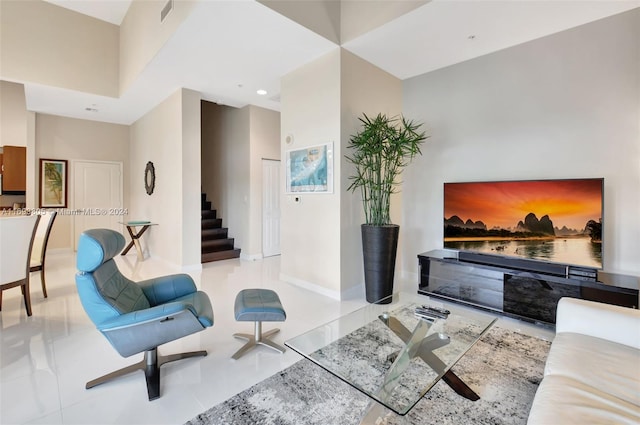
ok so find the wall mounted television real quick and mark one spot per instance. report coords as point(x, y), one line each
point(557, 221)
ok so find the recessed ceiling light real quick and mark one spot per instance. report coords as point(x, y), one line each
point(262, 92)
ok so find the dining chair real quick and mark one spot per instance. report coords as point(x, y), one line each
point(39, 250)
point(16, 240)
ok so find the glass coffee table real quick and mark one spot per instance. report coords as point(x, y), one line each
point(390, 354)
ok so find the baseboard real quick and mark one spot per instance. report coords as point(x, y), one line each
point(250, 257)
point(356, 292)
point(311, 286)
point(407, 275)
point(191, 268)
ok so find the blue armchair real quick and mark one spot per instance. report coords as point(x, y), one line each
point(137, 317)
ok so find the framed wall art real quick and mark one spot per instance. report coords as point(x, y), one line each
point(53, 183)
point(310, 169)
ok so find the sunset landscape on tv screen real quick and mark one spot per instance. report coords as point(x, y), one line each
point(551, 220)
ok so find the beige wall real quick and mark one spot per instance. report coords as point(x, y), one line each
point(74, 139)
point(264, 137)
point(361, 16)
point(320, 16)
point(563, 106)
point(364, 89)
point(191, 160)
point(169, 139)
point(342, 21)
point(310, 237)
point(17, 128)
point(321, 102)
point(225, 166)
point(142, 34)
point(58, 47)
point(13, 114)
point(234, 141)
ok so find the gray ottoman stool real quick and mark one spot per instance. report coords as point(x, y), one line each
point(258, 305)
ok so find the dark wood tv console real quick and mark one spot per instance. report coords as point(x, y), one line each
point(521, 288)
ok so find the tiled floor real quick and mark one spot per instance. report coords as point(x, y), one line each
point(46, 359)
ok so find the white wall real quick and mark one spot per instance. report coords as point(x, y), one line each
point(47, 44)
point(74, 139)
point(169, 136)
point(564, 106)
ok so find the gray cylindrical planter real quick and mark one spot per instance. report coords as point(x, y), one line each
point(379, 247)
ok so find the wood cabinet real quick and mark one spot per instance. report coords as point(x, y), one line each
point(14, 169)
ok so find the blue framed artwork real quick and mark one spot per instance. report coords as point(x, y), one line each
point(310, 169)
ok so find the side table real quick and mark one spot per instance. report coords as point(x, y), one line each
point(136, 235)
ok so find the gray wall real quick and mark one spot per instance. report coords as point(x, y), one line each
point(564, 106)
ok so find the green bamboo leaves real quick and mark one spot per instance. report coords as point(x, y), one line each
point(380, 151)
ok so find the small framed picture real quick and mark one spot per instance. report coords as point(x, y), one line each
point(310, 169)
point(53, 183)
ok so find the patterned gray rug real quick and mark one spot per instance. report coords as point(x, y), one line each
point(504, 368)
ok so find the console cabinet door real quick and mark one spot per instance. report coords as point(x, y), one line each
point(14, 169)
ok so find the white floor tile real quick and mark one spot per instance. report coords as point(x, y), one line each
point(46, 359)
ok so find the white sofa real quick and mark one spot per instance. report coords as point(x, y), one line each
point(592, 374)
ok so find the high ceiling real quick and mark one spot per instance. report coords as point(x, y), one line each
point(227, 50)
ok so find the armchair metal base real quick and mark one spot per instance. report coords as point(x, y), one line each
point(257, 338)
point(150, 364)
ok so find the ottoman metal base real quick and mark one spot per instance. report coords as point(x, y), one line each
point(257, 338)
point(258, 305)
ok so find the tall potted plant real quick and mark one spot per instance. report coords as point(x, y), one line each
point(382, 148)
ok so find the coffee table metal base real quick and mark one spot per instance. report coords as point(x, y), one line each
point(394, 355)
point(425, 352)
point(377, 414)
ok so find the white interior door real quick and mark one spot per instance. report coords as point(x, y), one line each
point(97, 196)
point(270, 207)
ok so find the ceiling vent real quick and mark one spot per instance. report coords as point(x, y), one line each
point(165, 10)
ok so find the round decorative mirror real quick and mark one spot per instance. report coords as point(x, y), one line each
point(149, 178)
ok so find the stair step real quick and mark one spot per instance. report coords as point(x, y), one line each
point(220, 255)
point(211, 223)
point(219, 233)
point(217, 245)
point(208, 214)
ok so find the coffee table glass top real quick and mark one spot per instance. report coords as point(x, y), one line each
point(390, 354)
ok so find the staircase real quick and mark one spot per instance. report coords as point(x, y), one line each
point(216, 245)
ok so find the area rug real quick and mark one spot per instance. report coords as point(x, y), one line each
point(504, 368)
